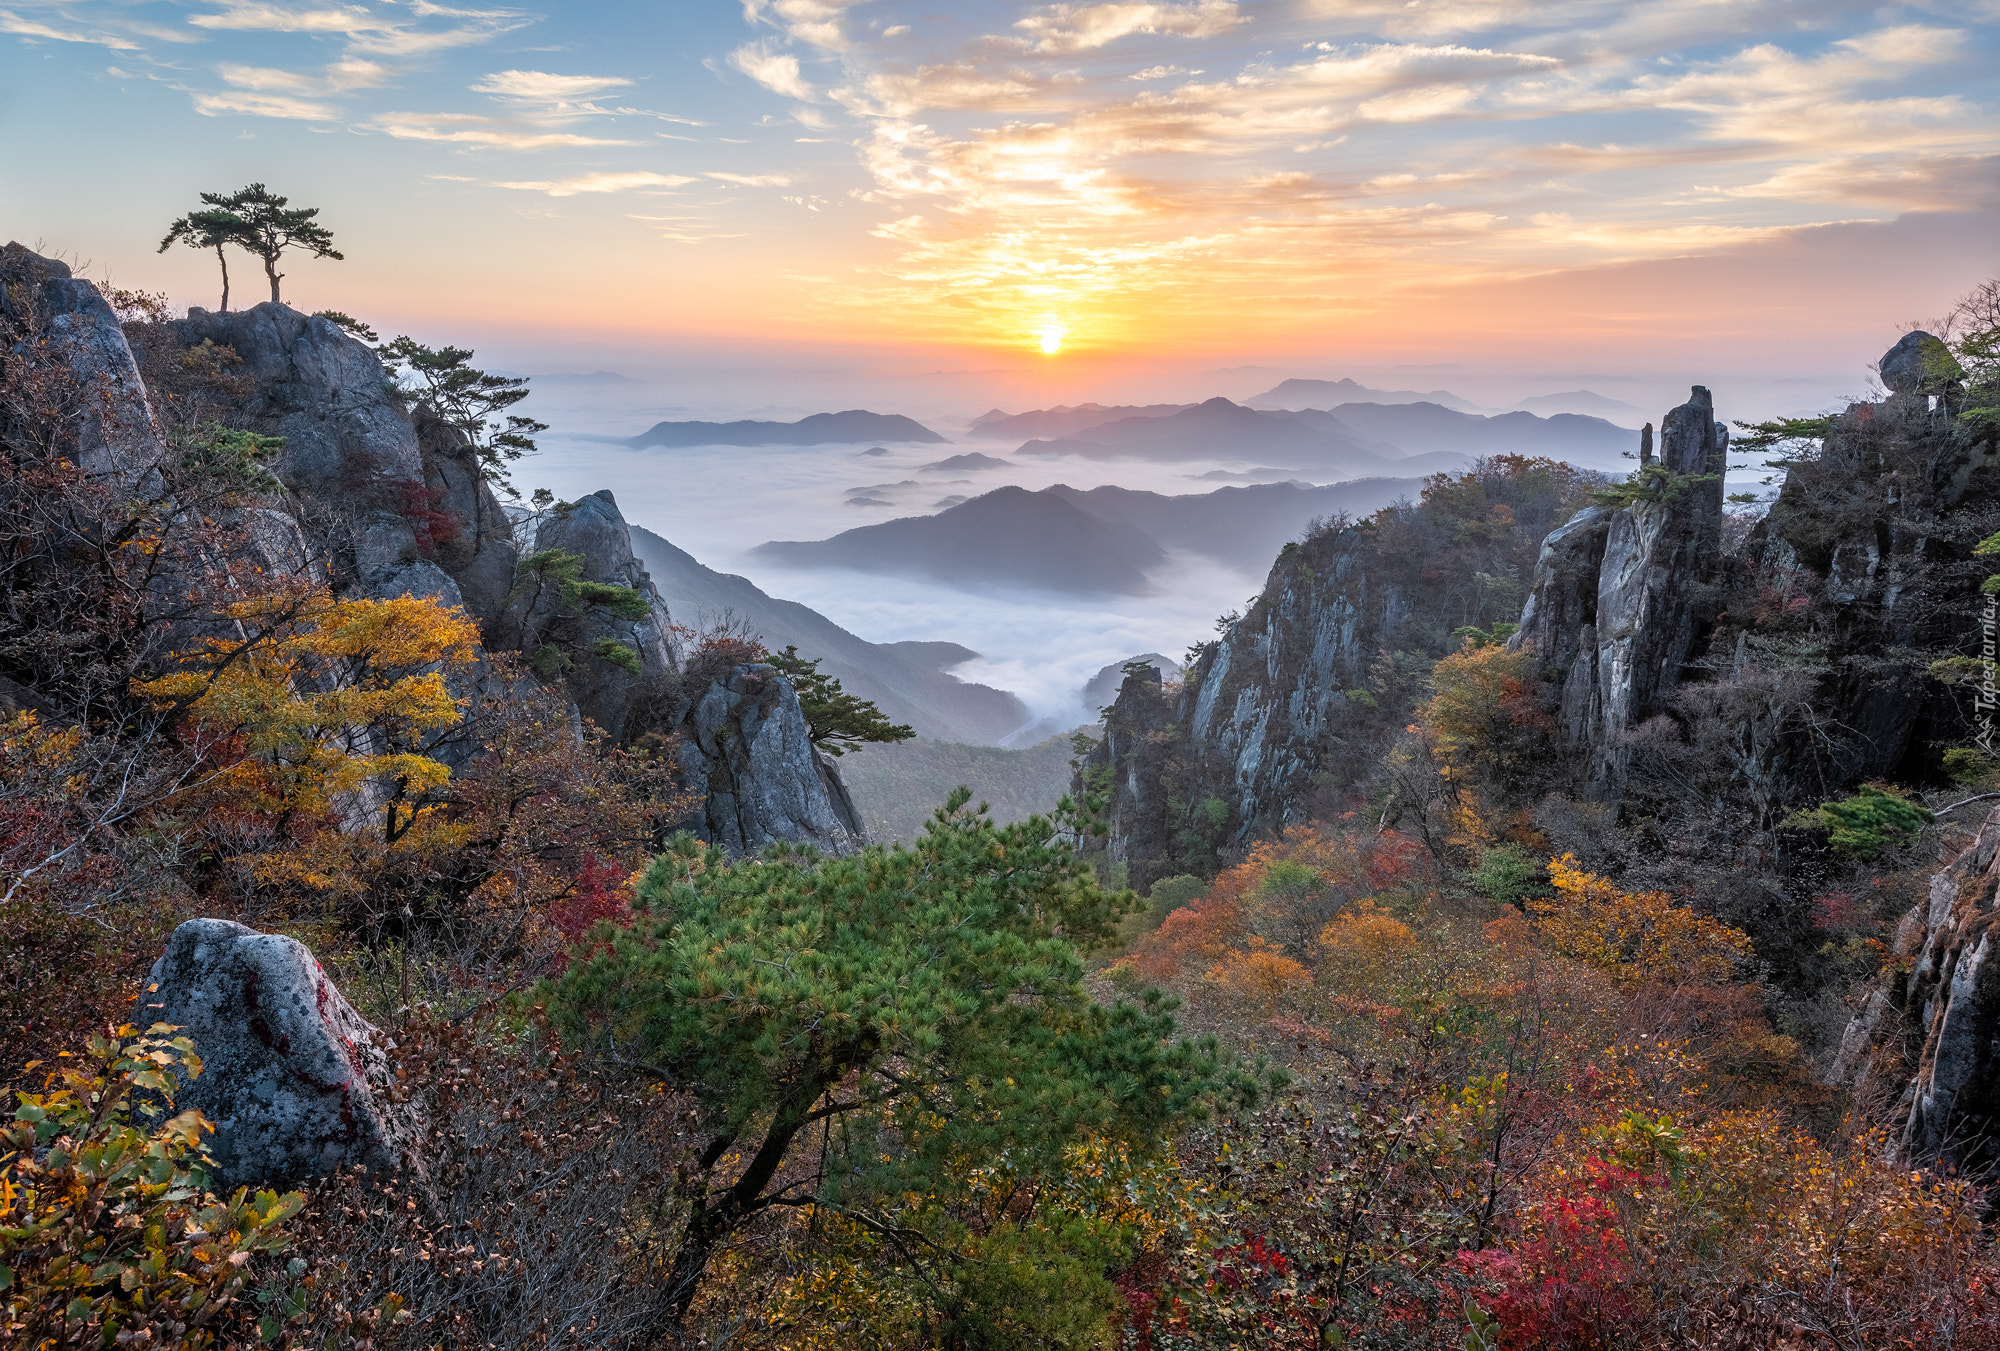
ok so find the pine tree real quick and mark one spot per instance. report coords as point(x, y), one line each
point(863, 1030)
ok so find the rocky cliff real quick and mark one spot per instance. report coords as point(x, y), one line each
point(1290, 710)
point(1685, 662)
point(1620, 597)
point(373, 495)
point(1928, 1036)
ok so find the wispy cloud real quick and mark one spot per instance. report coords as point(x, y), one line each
point(601, 182)
point(403, 31)
point(1076, 28)
point(751, 180)
point(21, 25)
point(776, 71)
point(489, 133)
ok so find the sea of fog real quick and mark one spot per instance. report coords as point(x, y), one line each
point(720, 502)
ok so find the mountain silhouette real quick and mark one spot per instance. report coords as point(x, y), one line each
point(1062, 420)
point(1327, 393)
point(1009, 537)
point(819, 429)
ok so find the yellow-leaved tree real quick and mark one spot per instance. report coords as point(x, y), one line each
point(328, 698)
point(1638, 937)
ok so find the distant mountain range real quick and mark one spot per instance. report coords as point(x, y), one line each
point(970, 462)
point(819, 429)
point(907, 681)
point(1062, 420)
point(1327, 393)
point(1589, 442)
point(1087, 541)
point(1349, 439)
point(1009, 537)
point(1582, 401)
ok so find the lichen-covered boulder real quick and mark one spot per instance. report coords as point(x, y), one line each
point(296, 1082)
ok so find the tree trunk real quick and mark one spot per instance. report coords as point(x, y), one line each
point(271, 271)
point(709, 1224)
point(223, 258)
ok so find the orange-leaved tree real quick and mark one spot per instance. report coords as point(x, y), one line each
point(1638, 937)
point(341, 694)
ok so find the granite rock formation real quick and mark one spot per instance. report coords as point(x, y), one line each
point(296, 1083)
point(116, 434)
point(1620, 597)
point(1929, 1033)
point(1292, 707)
point(746, 748)
point(541, 618)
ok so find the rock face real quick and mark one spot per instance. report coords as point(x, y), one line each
point(746, 748)
point(296, 1082)
point(544, 619)
point(1559, 621)
point(1621, 596)
point(1930, 1030)
point(1275, 710)
point(322, 390)
point(116, 433)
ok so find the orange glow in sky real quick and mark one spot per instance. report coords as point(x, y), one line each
point(1109, 178)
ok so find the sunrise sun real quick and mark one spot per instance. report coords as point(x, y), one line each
point(1052, 338)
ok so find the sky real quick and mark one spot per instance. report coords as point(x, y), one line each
point(1151, 189)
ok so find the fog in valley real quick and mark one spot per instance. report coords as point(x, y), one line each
point(719, 503)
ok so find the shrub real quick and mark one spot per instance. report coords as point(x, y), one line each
point(108, 1235)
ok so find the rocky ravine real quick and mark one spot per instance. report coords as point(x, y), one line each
point(379, 499)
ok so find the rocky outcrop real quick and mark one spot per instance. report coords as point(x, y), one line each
point(746, 748)
point(1621, 597)
point(1929, 1033)
point(1277, 710)
point(619, 665)
point(296, 1083)
point(397, 492)
point(321, 389)
point(103, 401)
point(382, 499)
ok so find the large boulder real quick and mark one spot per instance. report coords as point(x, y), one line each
point(1915, 365)
point(295, 1081)
point(748, 752)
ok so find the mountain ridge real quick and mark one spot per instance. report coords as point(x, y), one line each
point(853, 425)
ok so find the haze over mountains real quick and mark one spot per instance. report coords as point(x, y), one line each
point(1352, 438)
point(1327, 393)
point(1088, 541)
point(907, 680)
point(817, 430)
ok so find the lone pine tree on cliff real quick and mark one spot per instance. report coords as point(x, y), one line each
point(258, 221)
